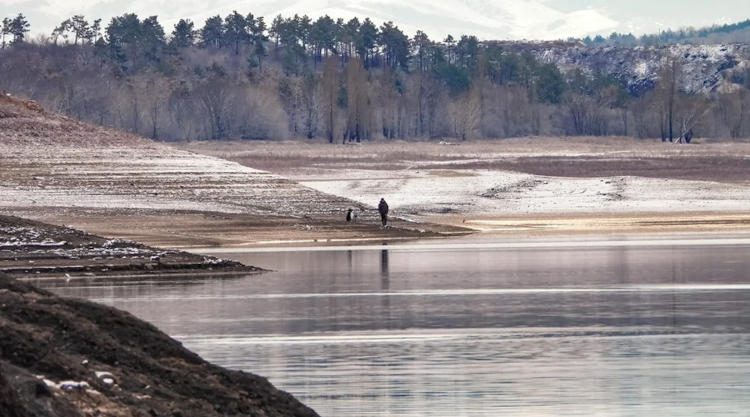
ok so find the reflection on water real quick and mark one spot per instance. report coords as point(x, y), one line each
point(476, 331)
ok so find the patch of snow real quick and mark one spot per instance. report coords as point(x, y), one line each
point(642, 68)
point(13, 243)
point(66, 385)
point(106, 377)
point(73, 385)
point(213, 261)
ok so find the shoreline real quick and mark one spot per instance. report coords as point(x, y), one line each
point(602, 222)
point(188, 231)
point(37, 250)
point(652, 241)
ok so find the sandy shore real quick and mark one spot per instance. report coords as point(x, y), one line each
point(531, 186)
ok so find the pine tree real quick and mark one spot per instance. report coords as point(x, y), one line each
point(212, 32)
point(183, 34)
point(235, 30)
point(80, 28)
point(330, 90)
point(19, 26)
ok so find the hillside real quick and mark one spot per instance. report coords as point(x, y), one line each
point(115, 184)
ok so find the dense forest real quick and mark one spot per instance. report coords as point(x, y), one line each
point(239, 76)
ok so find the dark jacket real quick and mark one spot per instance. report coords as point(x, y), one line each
point(383, 207)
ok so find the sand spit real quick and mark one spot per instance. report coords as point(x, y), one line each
point(31, 249)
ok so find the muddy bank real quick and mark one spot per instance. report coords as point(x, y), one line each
point(33, 249)
point(70, 358)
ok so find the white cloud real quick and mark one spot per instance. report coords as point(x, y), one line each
point(489, 20)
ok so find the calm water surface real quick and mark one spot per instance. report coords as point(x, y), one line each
point(448, 330)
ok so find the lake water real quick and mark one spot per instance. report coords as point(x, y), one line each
point(627, 328)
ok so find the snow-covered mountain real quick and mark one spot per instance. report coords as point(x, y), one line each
point(499, 19)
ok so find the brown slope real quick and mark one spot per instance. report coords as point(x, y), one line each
point(48, 340)
point(26, 123)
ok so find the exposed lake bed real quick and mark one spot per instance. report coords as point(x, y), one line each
point(562, 302)
point(474, 327)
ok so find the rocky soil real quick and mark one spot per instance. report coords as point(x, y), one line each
point(68, 358)
point(33, 249)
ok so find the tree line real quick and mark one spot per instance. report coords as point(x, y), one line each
point(730, 32)
point(239, 77)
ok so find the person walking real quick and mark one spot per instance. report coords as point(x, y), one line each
point(383, 210)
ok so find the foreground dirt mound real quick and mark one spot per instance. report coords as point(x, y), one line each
point(10, 405)
point(64, 357)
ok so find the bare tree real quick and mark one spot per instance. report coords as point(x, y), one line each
point(667, 87)
point(290, 93)
point(467, 114)
point(155, 91)
point(213, 96)
point(358, 102)
point(689, 110)
point(330, 92)
point(734, 111)
point(309, 106)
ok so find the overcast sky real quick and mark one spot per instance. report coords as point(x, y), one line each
point(491, 19)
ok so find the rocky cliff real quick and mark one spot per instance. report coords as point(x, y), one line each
point(705, 68)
